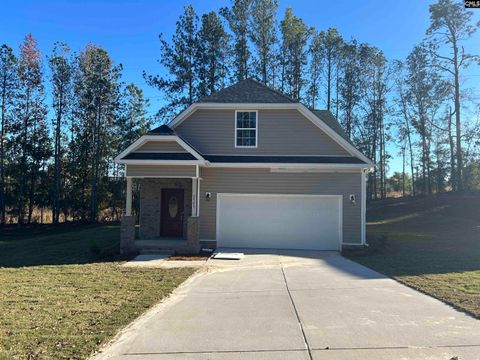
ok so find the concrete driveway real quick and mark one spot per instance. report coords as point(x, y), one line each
point(297, 305)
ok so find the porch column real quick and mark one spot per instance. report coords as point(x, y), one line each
point(128, 207)
point(127, 224)
point(194, 197)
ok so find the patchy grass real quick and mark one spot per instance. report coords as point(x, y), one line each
point(60, 300)
point(432, 245)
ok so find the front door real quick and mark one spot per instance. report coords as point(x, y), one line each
point(171, 213)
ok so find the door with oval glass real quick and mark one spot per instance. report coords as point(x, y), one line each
point(171, 213)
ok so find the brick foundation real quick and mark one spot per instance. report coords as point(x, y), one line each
point(193, 234)
point(127, 234)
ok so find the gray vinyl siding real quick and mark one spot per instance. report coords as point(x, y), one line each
point(161, 170)
point(161, 146)
point(262, 181)
point(280, 132)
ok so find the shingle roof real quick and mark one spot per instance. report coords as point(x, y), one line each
point(162, 130)
point(248, 91)
point(328, 118)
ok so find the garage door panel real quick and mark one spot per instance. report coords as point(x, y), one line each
point(279, 221)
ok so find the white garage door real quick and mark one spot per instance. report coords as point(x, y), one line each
point(279, 221)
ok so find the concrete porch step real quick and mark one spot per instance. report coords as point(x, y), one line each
point(157, 252)
point(161, 246)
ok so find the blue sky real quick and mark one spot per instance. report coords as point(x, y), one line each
point(129, 29)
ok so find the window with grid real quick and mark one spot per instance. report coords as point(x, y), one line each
point(246, 129)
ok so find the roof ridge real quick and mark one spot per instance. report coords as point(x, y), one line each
point(273, 89)
point(241, 91)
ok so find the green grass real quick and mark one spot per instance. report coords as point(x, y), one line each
point(432, 245)
point(63, 292)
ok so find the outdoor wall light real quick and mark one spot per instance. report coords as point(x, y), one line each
point(352, 199)
point(208, 196)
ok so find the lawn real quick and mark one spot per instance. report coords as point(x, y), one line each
point(432, 245)
point(63, 292)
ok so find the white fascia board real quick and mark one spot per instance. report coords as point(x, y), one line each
point(156, 138)
point(289, 165)
point(160, 162)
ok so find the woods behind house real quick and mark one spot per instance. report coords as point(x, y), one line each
point(64, 116)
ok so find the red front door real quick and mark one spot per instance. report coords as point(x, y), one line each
point(171, 213)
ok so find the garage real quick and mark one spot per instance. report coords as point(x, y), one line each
point(279, 221)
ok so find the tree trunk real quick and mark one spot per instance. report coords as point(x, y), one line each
point(412, 164)
point(2, 153)
point(57, 165)
point(23, 160)
point(336, 94)
point(403, 170)
point(33, 176)
point(96, 165)
point(329, 80)
point(453, 175)
point(457, 118)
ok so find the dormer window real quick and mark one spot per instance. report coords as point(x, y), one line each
point(246, 128)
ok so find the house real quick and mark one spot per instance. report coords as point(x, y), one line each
point(247, 167)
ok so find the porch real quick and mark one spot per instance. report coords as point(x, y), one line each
point(167, 214)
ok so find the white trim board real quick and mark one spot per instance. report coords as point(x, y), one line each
point(256, 131)
point(363, 210)
point(160, 162)
point(157, 138)
point(289, 165)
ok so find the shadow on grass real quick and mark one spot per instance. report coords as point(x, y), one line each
point(59, 244)
point(442, 236)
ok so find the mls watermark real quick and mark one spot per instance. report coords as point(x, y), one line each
point(472, 4)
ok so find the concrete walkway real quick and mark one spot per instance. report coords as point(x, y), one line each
point(297, 305)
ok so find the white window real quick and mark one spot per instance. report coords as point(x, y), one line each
point(246, 128)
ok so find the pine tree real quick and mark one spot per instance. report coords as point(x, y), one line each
point(350, 84)
point(450, 25)
point(373, 137)
point(8, 88)
point(237, 18)
point(295, 35)
point(179, 60)
point(96, 90)
point(29, 131)
point(133, 120)
point(316, 63)
point(423, 88)
point(332, 43)
point(212, 54)
point(62, 77)
point(263, 34)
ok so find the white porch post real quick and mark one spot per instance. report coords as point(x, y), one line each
point(194, 197)
point(128, 207)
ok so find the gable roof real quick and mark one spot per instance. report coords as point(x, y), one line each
point(248, 91)
point(162, 130)
point(327, 117)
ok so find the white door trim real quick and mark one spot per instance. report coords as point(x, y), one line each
point(340, 209)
